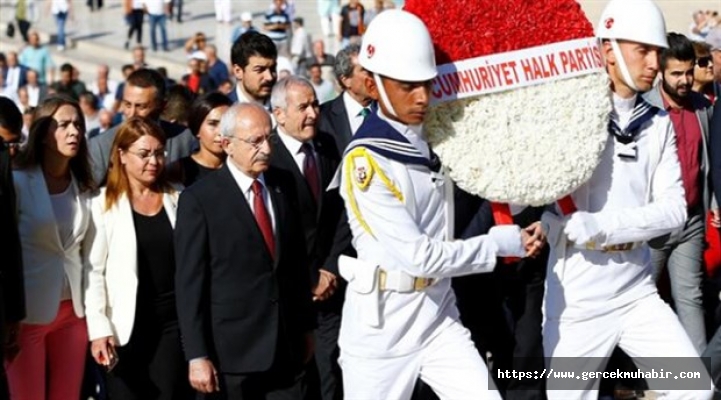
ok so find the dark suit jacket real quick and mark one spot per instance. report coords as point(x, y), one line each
point(180, 143)
point(12, 287)
point(325, 241)
point(334, 121)
point(715, 149)
point(236, 303)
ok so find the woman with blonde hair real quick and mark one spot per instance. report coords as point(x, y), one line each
point(130, 292)
point(53, 184)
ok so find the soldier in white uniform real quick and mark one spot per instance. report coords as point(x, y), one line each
point(599, 290)
point(400, 321)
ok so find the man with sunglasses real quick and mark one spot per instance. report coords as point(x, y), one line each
point(12, 296)
point(682, 251)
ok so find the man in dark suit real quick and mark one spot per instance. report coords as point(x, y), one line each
point(312, 158)
point(12, 288)
point(243, 294)
point(144, 97)
point(343, 116)
point(254, 57)
point(15, 74)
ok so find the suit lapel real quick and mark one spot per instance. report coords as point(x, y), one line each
point(341, 122)
point(170, 203)
point(239, 204)
point(284, 160)
point(124, 231)
point(274, 193)
point(41, 197)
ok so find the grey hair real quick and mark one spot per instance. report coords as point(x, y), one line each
point(343, 64)
point(229, 120)
point(279, 95)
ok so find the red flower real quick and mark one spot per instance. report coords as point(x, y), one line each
point(463, 29)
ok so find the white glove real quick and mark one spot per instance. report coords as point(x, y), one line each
point(582, 228)
point(508, 240)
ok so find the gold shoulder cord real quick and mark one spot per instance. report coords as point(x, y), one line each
point(363, 180)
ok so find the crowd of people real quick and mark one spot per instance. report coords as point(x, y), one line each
point(254, 231)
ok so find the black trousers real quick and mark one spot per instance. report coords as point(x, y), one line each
point(152, 364)
point(135, 20)
point(24, 27)
point(326, 348)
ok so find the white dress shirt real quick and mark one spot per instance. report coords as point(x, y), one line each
point(12, 80)
point(244, 183)
point(353, 108)
point(294, 147)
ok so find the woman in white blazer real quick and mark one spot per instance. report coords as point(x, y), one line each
point(53, 185)
point(130, 269)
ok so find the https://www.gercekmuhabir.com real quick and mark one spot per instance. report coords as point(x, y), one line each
point(592, 375)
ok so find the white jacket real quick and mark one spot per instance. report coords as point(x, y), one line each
point(111, 267)
point(633, 202)
point(46, 262)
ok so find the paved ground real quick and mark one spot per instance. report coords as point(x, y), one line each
point(99, 36)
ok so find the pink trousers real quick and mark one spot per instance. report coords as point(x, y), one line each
point(51, 360)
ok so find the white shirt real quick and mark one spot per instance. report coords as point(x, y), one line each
point(155, 7)
point(300, 46)
point(12, 80)
point(64, 209)
point(242, 98)
point(58, 6)
point(353, 109)
point(633, 201)
point(325, 92)
point(410, 236)
point(294, 148)
point(33, 95)
point(245, 183)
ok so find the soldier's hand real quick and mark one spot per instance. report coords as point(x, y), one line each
point(203, 376)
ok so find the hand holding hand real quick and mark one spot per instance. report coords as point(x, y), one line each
point(535, 239)
point(203, 376)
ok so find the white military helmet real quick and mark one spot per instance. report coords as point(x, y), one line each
point(397, 45)
point(639, 21)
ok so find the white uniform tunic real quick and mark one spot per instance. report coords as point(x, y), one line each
point(410, 236)
point(635, 201)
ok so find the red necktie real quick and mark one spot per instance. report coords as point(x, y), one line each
point(262, 217)
point(310, 170)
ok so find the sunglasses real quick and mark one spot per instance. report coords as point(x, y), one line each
point(704, 62)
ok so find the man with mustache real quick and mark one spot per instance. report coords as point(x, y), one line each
point(682, 251)
point(254, 58)
point(242, 282)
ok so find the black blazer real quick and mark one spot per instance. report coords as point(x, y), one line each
point(12, 287)
point(236, 303)
point(334, 121)
point(320, 218)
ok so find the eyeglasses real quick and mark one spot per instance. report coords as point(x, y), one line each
point(704, 62)
point(255, 142)
point(145, 155)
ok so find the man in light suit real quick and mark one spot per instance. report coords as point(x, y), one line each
point(254, 58)
point(143, 96)
point(12, 288)
point(343, 116)
point(312, 158)
point(682, 251)
point(242, 287)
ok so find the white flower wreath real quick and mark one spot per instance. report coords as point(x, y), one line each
point(508, 149)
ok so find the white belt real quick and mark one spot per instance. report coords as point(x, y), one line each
point(399, 281)
point(614, 248)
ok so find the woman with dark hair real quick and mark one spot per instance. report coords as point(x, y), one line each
point(204, 122)
point(130, 291)
point(53, 185)
point(703, 70)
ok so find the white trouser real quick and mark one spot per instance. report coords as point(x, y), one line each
point(449, 364)
point(223, 11)
point(645, 328)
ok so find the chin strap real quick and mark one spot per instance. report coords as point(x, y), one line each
point(625, 75)
point(384, 96)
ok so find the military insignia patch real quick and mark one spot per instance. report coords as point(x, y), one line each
point(362, 171)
